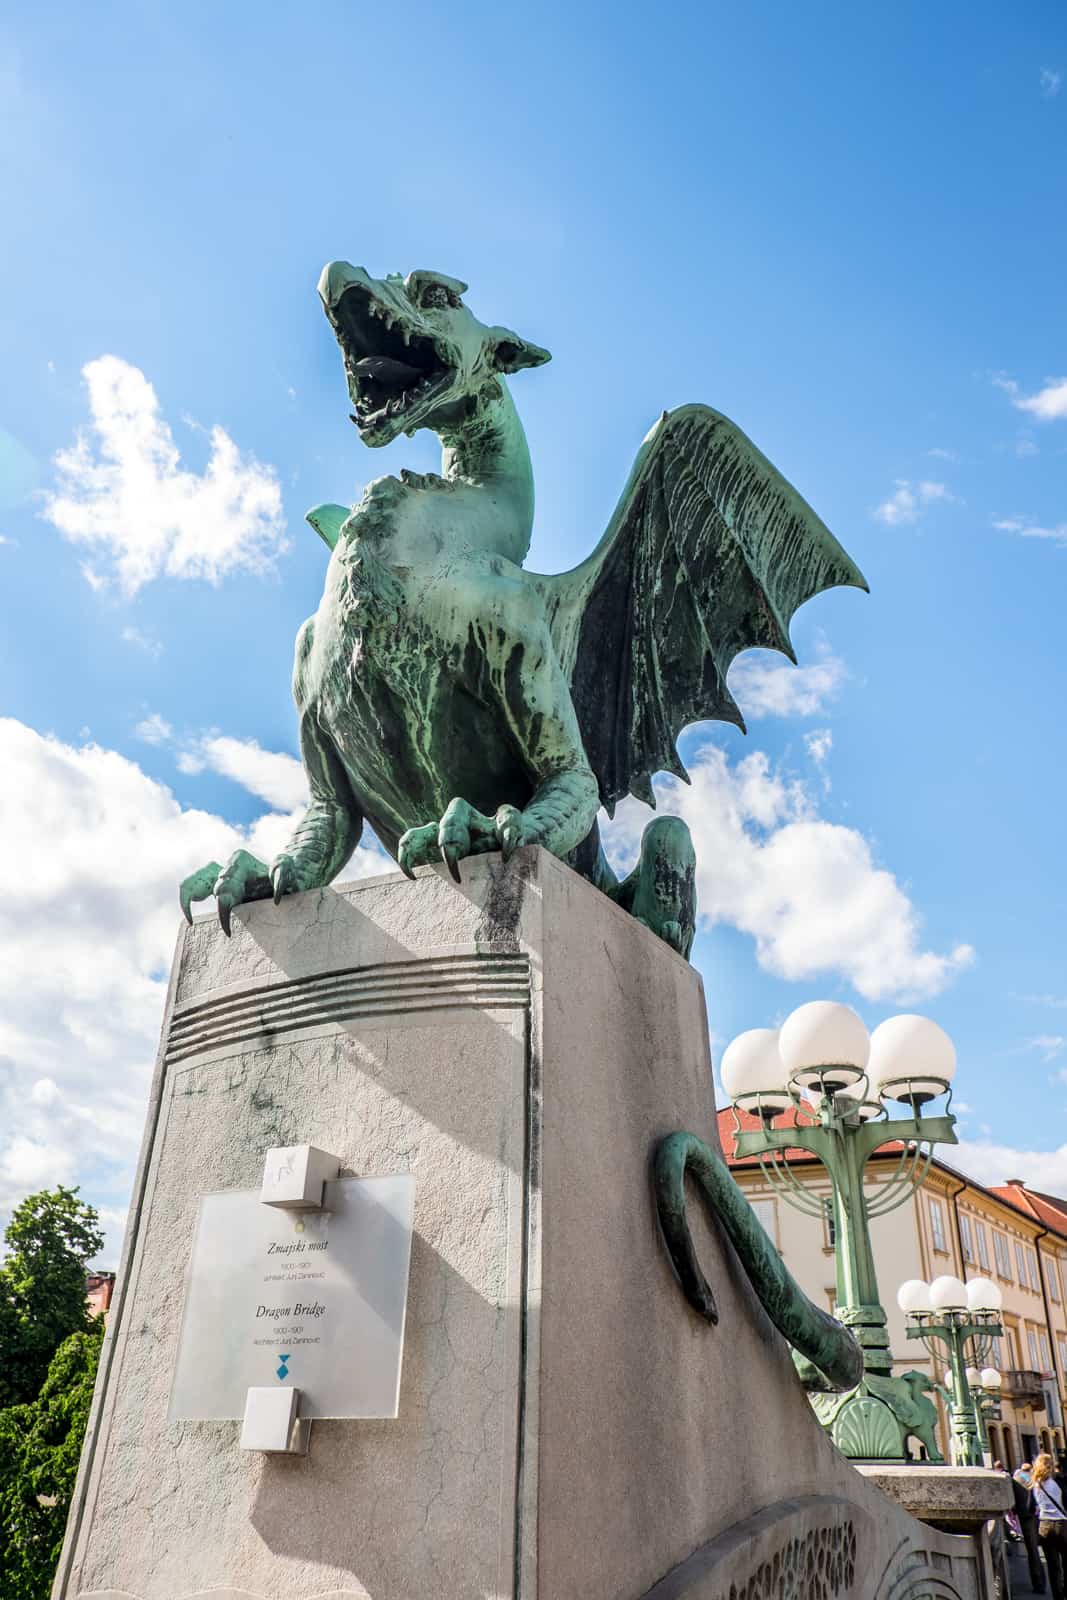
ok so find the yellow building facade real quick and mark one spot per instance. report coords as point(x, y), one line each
point(951, 1225)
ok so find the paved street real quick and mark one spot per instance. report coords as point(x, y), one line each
point(1020, 1577)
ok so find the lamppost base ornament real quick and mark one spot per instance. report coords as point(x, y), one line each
point(874, 1421)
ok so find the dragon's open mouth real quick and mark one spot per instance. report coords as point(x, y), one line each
point(393, 371)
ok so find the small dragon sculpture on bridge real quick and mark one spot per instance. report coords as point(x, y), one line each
point(460, 704)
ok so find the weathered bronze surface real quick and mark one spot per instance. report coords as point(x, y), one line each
point(460, 704)
point(826, 1355)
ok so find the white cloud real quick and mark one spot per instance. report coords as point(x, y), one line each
point(101, 849)
point(1051, 82)
point(1047, 1045)
point(808, 891)
point(908, 500)
point(765, 685)
point(154, 729)
point(943, 455)
point(901, 507)
point(1048, 404)
point(1030, 530)
point(272, 776)
point(122, 489)
point(819, 742)
point(929, 492)
point(991, 1163)
point(142, 641)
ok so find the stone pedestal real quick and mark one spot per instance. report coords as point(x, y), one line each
point(956, 1499)
point(567, 1425)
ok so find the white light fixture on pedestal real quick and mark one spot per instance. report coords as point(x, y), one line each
point(913, 1297)
point(752, 1074)
point(911, 1060)
point(984, 1295)
point(948, 1294)
point(824, 1046)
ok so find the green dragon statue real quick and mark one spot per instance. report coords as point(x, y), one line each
point(460, 704)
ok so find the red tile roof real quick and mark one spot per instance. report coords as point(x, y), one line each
point(1044, 1208)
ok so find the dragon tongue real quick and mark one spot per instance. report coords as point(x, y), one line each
point(386, 370)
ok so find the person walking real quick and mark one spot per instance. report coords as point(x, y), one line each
point(1047, 1497)
point(1027, 1520)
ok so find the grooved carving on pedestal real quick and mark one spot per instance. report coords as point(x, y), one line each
point(923, 1575)
point(246, 1016)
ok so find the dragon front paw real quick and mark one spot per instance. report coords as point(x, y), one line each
point(243, 878)
point(462, 831)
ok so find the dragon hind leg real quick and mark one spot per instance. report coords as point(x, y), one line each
point(661, 890)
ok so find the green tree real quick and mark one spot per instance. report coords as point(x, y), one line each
point(40, 1446)
point(50, 1239)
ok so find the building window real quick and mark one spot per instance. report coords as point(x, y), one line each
point(983, 1246)
point(1020, 1262)
point(1011, 1339)
point(937, 1226)
point(1061, 1346)
point(967, 1235)
point(1035, 1353)
point(1003, 1255)
point(767, 1218)
point(1031, 1267)
point(829, 1228)
point(1052, 1273)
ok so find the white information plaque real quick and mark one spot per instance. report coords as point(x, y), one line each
point(312, 1301)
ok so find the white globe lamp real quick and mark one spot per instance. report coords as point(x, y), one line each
point(990, 1378)
point(974, 1377)
point(824, 1046)
point(948, 1294)
point(911, 1059)
point(913, 1297)
point(946, 1377)
point(983, 1295)
point(751, 1072)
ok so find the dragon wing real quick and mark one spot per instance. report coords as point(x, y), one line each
point(709, 552)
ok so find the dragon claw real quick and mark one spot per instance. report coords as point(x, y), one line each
point(450, 855)
point(462, 831)
point(243, 878)
point(197, 886)
point(283, 878)
point(509, 830)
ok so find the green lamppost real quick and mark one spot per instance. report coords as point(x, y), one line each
point(986, 1396)
point(964, 1319)
point(838, 1082)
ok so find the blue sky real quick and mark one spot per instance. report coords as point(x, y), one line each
point(845, 227)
